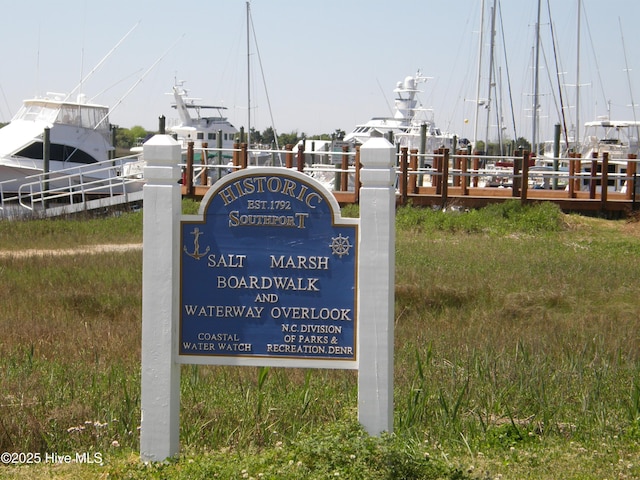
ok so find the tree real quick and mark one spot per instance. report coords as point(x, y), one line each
point(256, 137)
point(523, 143)
point(289, 138)
point(129, 137)
point(269, 136)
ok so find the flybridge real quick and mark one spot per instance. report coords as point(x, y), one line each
point(83, 115)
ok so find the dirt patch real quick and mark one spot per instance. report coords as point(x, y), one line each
point(632, 225)
point(86, 250)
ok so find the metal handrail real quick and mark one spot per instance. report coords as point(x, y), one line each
point(107, 178)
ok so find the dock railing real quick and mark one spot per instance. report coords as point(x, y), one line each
point(440, 177)
point(339, 170)
point(109, 182)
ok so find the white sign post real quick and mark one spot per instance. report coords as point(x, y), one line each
point(376, 286)
point(271, 198)
point(160, 396)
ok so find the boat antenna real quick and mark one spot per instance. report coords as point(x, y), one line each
point(385, 97)
point(626, 67)
point(506, 63)
point(578, 75)
point(140, 79)
point(97, 95)
point(95, 69)
point(84, 23)
point(130, 90)
point(534, 133)
point(475, 120)
point(264, 82)
point(6, 102)
point(492, 42)
point(38, 65)
point(248, 76)
point(561, 97)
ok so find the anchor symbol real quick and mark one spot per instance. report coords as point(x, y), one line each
point(196, 246)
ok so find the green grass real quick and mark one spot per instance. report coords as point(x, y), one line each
point(517, 356)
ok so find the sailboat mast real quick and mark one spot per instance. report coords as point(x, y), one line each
point(491, 49)
point(534, 133)
point(578, 78)
point(633, 103)
point(248, 76)
point(475, 121)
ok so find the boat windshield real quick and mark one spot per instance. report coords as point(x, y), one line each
point(34, 112)
point(85, 116)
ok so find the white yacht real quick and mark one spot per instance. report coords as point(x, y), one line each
point(200, 129)
point(407, 123)
point(79, 135)
point(618, 138)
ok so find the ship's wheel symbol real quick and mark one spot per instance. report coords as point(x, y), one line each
point(340, 245)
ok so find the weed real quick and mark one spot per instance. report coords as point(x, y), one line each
point(516, 328)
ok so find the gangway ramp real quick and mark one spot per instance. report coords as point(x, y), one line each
point(101, 185)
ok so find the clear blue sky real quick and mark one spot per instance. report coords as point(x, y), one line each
point(327, 64)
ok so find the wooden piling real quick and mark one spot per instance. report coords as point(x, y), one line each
point(188, 177)
point(413, 166)
point(631, 176)
point(604, 182)
point(444, 179)
point(300, 157)
point(404, 165)
point(344, 167)
point(288, 156)
point(464, 164)
point(594, 173)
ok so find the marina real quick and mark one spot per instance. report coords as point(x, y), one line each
point(472, 181)
point(439, 179)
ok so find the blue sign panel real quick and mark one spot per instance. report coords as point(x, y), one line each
point(268, 271)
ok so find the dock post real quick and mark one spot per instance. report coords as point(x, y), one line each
point(594, 173)
point(189, 170)
point(204, 161)
point(517, 181)
point(300, 157)
point(344, 167)
point(464, 166)
point(288, 156)
point(604, 182)
point(357, 184)
point(46, 156)
point(219, 155)
point(403, 174)
point(524, 182)
point(631, 177)
point(414, 184)
point(445, 176)
point(244, 155)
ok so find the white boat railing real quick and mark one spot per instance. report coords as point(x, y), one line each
point(73, 189)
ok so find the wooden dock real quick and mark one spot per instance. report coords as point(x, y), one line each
point(420, 179)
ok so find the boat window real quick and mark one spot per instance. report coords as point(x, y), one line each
point(200, 136)
point(58, 152)
point(211, 136)
point(69, 115)
point(37, 112)
point(96, 118)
